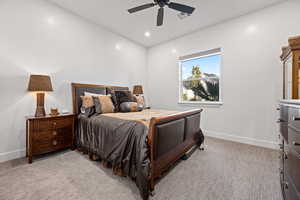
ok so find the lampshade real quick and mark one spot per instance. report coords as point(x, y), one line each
point(138, 89)
point(41, 83)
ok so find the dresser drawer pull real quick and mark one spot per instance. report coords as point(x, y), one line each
point(285, 156)
point(286, 185)
point(296, 143)
point(54, 143)
point(54, 123)
point(54, 133)
point(280, 121)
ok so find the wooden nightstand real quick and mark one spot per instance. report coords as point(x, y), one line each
point(48, 134)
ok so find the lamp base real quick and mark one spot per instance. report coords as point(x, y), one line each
point(40, 108)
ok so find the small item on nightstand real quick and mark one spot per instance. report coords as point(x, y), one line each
point(65, 111)
point(54, 112)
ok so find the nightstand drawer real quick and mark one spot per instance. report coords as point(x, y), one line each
point(45, 145)
point(59, 132)
point(42, 125)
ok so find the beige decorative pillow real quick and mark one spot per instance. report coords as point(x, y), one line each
point(140, 100)
point(87, 101)
point(104, 105)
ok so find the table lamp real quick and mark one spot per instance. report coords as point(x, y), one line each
point(40, 84)
point(138, 89)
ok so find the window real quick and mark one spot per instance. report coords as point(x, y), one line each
point(200, 77)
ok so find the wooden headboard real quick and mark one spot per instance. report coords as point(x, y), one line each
point(78, 90)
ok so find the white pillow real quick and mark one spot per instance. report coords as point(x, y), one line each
point(95, 95)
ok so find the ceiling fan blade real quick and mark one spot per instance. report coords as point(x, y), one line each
point(181, 7)
point(160, 17)
point(142, 7)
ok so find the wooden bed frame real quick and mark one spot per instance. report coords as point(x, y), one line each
point(183, 127)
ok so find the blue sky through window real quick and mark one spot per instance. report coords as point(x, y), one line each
point(208, 64)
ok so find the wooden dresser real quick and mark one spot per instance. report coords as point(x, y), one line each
point(48, 134)
point(290, 148)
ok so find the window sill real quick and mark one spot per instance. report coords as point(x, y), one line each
point(219, 103)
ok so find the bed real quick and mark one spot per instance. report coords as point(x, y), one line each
point(140, 145)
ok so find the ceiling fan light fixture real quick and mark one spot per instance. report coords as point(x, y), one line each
point(183, 15)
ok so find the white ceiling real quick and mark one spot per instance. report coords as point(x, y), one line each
point(113, 15)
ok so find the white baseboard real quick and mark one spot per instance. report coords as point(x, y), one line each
point(244, 140)
point(12, 155)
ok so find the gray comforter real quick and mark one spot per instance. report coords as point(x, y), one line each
point(122, 143)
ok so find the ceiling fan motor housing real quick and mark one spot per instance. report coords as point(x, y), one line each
point(162, 3)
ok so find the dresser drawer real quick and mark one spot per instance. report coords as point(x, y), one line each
point(294, 139)
point(293, 167)
point(283, 121)
point(294, 117)
point(42, 125)
point(290, 191)
point(284, 112)
point(283, 126)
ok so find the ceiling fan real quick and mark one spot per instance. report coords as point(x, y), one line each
point(162, 3)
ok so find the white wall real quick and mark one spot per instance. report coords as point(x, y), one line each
point(38, 37)
point(251, 72)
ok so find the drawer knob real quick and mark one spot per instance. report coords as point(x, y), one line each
point(286, 185)
point(54, 133)
point(54, 123)
point(54, 143)
point(296, 143)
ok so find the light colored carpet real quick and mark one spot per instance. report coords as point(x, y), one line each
point(224, 171)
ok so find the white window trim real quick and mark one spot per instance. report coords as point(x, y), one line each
point(217, 103)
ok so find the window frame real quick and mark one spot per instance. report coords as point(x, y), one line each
point(201, 54)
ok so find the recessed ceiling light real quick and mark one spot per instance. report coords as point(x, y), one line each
point(174, 51)
point(147, 34)
point(251, 29)
point(51, 20)
point(118, 47)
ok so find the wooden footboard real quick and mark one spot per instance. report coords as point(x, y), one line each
point(170, 137)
